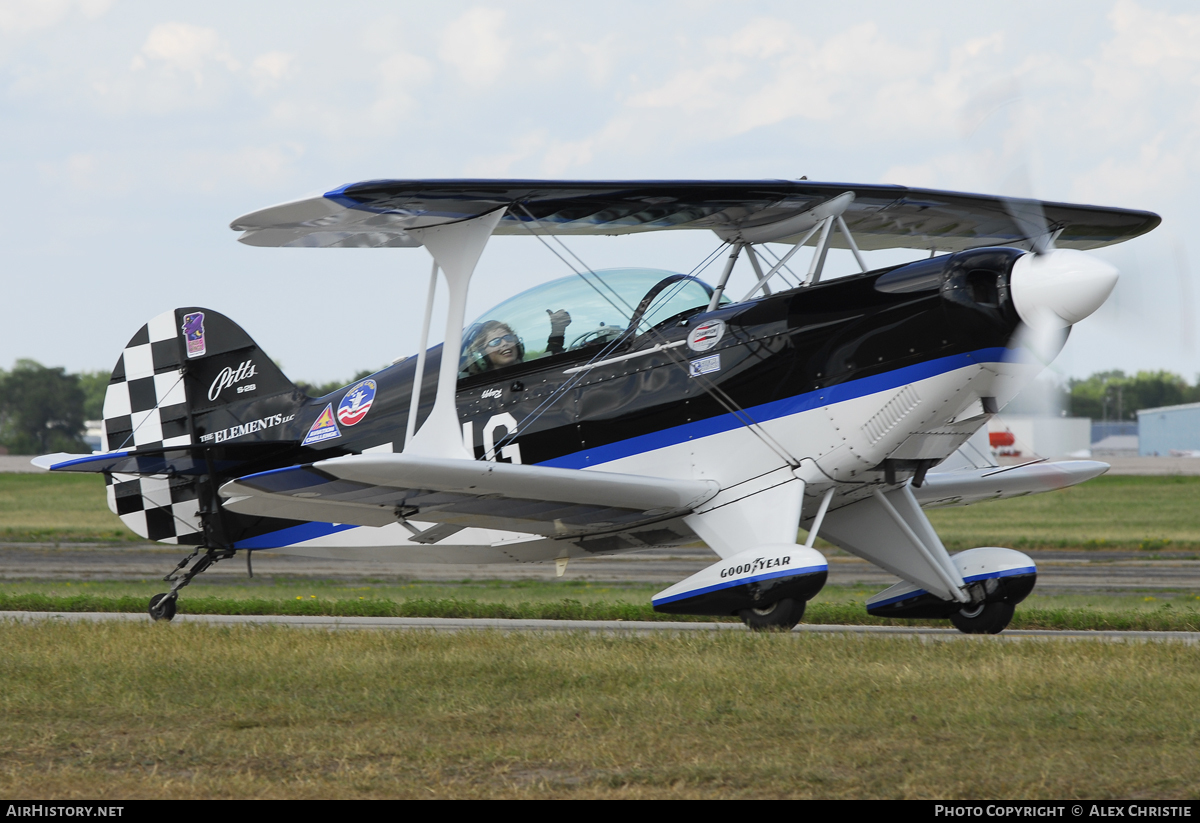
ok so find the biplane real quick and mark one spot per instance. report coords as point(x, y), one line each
point(619, 410)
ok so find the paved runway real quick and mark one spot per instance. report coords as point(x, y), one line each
point(1057, 571)
point(610, 627)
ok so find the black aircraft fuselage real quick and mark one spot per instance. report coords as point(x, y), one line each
point(782, 353)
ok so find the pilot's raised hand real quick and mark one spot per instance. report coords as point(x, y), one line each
point(559, 320)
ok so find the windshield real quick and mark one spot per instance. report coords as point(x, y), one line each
point(573, 313)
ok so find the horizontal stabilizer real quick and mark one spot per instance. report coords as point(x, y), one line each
point(174, 460)
point(377, 489)
point(960, 488)
point(50, 461)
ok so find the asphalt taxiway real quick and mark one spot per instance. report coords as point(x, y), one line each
point(1057, 570)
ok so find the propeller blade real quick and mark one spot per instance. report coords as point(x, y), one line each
point(1037, 344)
point(1030, 219)
point(997, 121)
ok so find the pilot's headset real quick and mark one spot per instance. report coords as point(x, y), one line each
point(474, 360)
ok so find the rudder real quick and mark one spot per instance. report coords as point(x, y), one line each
point(172, 388)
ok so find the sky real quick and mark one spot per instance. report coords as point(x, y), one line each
point(133, 133)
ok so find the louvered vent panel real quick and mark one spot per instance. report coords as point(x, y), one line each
point(892, 413)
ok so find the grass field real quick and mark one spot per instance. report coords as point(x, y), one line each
point(1147, 513)
point(185, 711)
point(188, 711)
point(1108, 512)
point(57, 508)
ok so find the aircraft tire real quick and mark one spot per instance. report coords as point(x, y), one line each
point(780, 616)
point(162, 607)
point(986, 618)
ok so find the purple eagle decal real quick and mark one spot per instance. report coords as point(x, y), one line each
point(193, 333)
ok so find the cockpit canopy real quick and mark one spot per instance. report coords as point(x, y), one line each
point(602, 306)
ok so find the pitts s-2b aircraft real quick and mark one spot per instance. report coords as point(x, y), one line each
point(618, 410)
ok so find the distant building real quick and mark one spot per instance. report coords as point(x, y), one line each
point(91, 434)
point(1102, 429)
point(1169, 431)
point(1116, 445)
point(1030, 436)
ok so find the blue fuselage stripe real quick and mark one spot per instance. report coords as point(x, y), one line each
point(774, 410)
point(839, 393)
point(292, 535)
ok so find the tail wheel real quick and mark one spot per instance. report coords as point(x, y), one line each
point(162, 606)
point(780, 616)
point(985, 618)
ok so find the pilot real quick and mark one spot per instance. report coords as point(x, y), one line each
point(496, 345)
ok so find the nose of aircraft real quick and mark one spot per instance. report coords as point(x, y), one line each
point(1061, 287)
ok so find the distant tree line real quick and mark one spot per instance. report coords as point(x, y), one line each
point(43, 410)
point(1114, 395)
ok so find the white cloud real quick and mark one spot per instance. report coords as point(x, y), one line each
point(692, 90)
point(500, 164)
point(89, 171)
point(769, 71)
point(274, 65)
point(473, 45)
point(1167, 42)
point(248, 166)
point(196, 171)
point(23, 16)
point(184, 47)
point(399, 75)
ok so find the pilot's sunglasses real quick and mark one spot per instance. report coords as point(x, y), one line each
point(508, 338)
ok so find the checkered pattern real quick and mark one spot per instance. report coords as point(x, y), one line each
point(146, 407)
point(157, 508)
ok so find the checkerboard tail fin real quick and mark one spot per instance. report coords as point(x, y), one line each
point(178, 368)
point(185, 374)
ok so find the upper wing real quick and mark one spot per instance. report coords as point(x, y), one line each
point(374, 489)
point(378, 213)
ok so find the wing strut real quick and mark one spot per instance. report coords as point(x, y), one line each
point(822, 218)
point(720, 289)
point(419, 373)
point(815, 526)
point(456, 248)
point(762, 283)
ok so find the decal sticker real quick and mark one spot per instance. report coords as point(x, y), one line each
point(491, 393)
point(243, 429)
point(324, 428)
point(706, 335)
point(193, 333)
point(757, 565)
point(356, 403)
point(704, 365)
point(506, 422)
point(230, 376)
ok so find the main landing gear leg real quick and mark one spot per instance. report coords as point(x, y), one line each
point(162, 606)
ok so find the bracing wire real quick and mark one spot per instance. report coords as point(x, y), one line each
point(723, 399)
point(780, 273)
